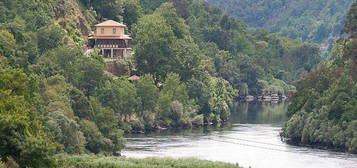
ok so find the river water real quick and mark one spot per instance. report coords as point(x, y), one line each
point(251, 138)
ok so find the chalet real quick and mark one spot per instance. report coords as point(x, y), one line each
point(110, 38)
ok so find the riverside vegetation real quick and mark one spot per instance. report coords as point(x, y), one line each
point(323, 113)
point(192, 58)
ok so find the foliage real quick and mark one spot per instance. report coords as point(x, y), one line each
point(320, 21)
point(49, 38)
point(99, 162)
point(120, 95)
point(148, 93)
point(323, 112)
point(214, 96)
point(7, 43)
point(162, 40)
point(107, 9)
point(132, 12)
point(56, 95)
point(191, 59)
point(22, 132)
point(175, 107)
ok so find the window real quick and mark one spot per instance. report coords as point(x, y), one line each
point(102, 30)
point(114, 31)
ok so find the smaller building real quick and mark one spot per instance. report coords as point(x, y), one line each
point(110, 38)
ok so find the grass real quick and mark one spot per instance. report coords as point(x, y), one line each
point(110, 59)
point(93, 161)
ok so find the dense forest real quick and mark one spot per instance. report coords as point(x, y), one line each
point(323, 111)
point(192, 58)
point(318, 21)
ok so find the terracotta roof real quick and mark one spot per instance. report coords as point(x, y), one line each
point(134, 78)
point(111, 23)
point(125, 37)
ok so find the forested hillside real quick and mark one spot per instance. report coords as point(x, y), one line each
point(316, 21)
point(323, 112)
point(193, 61)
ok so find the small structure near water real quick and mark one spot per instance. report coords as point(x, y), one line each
point(265, 98)
point(110, 38)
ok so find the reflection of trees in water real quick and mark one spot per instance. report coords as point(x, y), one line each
point(239, 112)
point(257, 112)
point(242, 112)
point(275, 113)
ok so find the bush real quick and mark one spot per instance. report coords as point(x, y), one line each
point(198, 120)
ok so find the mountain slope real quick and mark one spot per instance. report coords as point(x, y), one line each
point(316, 21)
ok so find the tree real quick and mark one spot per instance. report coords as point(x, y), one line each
point(108, 124)
point(50, 37)
point(243, 90)
point(163, 44)
point(109, 9)
point(66, 132)
point(96, 142)
point(60, 60)
point(7, 43)
point(188, 58)
point(120, 95)
point(132, 12)
point(22, 132)
point(88, 74)
point(175, 89)
point(214, 95)
point(80, 104)
point(177, 24)
point(148, 93)
point(56, 95)
point(154, 41)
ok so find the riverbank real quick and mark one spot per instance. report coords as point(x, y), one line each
point(94, 161)
point(251, 138)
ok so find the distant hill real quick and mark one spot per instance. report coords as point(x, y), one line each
point(318, 21)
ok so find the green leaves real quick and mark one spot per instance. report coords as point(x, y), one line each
point(323, 111)
point(49, 38)
point(148, 94)
point(318, 22)
point(163, 44)
point(154, 44)
point(22, 133)
point(7, 43)
point(120, 95)
point(109, 9)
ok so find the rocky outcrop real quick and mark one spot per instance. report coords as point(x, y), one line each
point(69, 14)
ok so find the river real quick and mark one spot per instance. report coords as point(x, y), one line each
point(251, 138)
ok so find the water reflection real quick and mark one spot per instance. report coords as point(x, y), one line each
point(258, 113)
point(251, 138)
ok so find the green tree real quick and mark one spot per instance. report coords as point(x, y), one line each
point(7, 43)
point(22, 132)
point(88, 74)
point(109, 9)
point(154, 42)
point(96, 142)
point(50, 37)
point(148, 93)
point(132, 12)
point(120, 95)
point(108, 124)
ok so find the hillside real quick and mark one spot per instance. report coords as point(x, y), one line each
point(317, 21)
point(323, 112)
point(193, 61)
